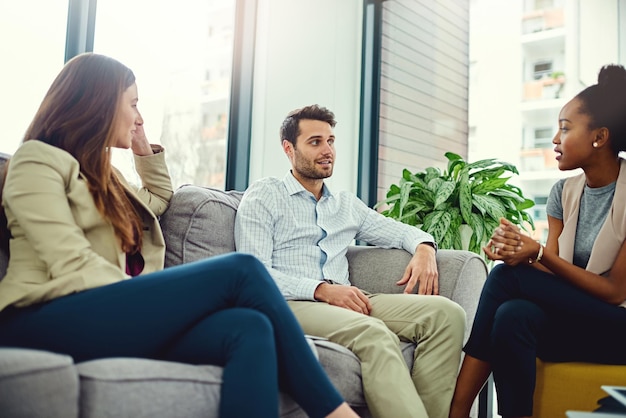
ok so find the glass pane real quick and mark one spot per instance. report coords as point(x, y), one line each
point(32, 47)
point(181, 53)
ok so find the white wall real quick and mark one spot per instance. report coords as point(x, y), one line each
point(495, 91)
point(600, 38)
point(307, 52)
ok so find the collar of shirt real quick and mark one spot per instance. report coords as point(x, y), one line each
point(293, 186)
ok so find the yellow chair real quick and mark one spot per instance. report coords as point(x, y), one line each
point(572, 386)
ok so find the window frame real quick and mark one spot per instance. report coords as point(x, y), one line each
point(80, 39)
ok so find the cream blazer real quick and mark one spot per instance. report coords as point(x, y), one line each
point(60, 243)
point(612, 233)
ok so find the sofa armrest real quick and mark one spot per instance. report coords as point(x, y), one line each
point(461, 274)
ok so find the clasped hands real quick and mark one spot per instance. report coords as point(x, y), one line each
point(509, 245)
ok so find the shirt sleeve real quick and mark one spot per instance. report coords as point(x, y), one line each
point(382, 231)
point(554, 206)
point(156, 190)
point(254, 234)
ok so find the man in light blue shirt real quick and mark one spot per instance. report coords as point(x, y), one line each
point(301, 232)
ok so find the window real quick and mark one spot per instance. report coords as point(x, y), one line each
point(544, 4)
point(543, 137)
point(32, 49)
point(539, 210)
point(531, 5)
point(542, 69)
point(181, 54)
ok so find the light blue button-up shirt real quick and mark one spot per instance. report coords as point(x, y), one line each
point(303, 241)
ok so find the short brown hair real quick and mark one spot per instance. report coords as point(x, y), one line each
point(290, 128)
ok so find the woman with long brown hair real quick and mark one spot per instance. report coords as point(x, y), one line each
point(85, 274)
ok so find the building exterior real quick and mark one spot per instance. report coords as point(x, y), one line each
point(195, 117)
point(527, 59)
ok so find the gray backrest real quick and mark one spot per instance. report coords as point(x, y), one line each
point(199, 223)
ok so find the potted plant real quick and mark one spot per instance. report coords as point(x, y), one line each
point(473, 194)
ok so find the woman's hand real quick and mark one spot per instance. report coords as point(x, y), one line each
point(140, 144)
point(509, 245)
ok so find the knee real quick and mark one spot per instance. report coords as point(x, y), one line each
point(500, 274)
point(516, 319)
point(498, 270)
point(247, 323)
point(448, 312)
point(249, 267)
point(244, 261)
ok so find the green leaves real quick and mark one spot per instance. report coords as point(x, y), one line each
point(475, 194)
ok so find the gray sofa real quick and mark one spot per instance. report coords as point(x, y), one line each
point(199, 224)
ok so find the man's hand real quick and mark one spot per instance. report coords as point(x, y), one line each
point(423, 269)
point(348, 297)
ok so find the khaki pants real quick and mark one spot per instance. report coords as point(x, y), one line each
point(435, 323)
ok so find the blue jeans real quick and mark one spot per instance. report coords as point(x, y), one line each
point(225, 311)
point(524, 313)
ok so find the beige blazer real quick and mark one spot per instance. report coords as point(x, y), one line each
point(612, 233)
point(60, 243)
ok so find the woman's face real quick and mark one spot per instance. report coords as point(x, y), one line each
point(128, 117)
point(574, 140)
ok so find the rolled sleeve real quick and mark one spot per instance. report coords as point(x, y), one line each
point(377, 229)
point(156, 191)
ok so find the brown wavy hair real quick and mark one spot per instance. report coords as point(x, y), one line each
point(79, 114)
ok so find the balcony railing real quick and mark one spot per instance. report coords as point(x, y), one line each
point(541, 20)
point(537, 159)
point(546, 88)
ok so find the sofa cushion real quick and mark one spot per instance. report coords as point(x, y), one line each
point(37, 384)
point(131, 387)
point(199, 223)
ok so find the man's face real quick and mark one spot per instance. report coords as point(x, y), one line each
point(313, 156)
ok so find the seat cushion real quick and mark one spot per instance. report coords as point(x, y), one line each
point(572, 386)
point(131, 387)
point(199, 223)
point(37, 384)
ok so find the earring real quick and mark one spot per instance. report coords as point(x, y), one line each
point(595, 144)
